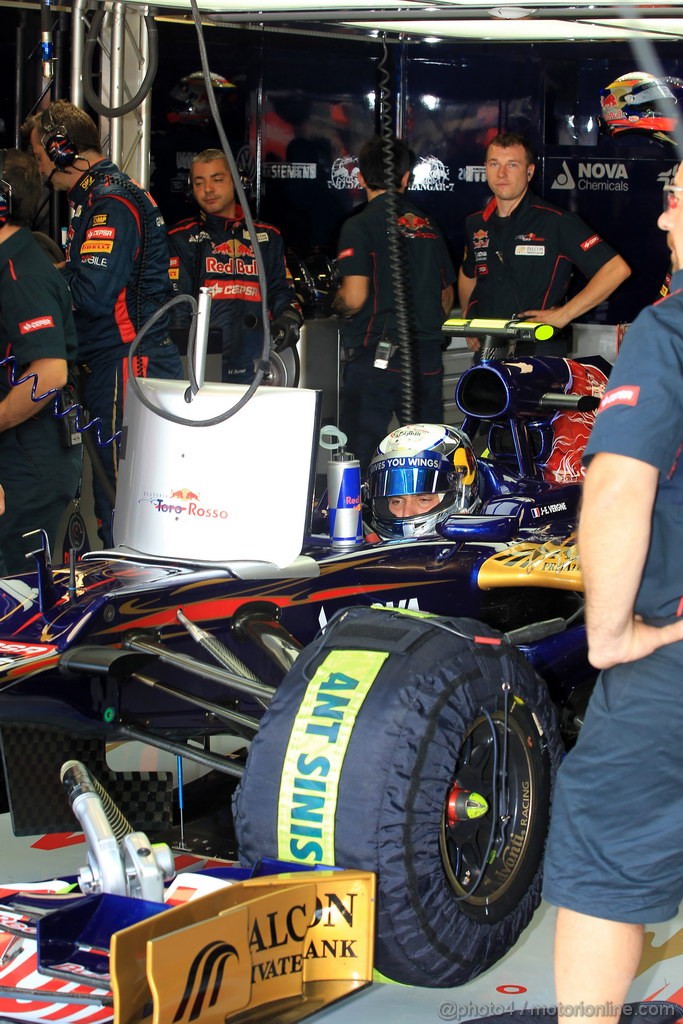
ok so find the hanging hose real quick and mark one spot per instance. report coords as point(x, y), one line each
point(150, 74)
point(397, 258)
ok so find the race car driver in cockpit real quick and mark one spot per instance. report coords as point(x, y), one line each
point(421, 474)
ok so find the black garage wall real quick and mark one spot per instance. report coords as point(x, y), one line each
point(300, 106)
point(306, 104)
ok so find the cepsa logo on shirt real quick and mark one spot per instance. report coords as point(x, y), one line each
point(590, 242)
point(101, 232)
point(625, 395)
point(174, 268)
point(40, 323)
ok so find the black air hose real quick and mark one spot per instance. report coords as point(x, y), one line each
point(88, 54)
point(397, 261)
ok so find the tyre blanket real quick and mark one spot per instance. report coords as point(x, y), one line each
point(353, 762)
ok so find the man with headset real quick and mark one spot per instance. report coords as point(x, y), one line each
point(117, 268)
point(520, 251)
point(39, 469)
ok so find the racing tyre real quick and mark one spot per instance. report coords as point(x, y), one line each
point(423, 749)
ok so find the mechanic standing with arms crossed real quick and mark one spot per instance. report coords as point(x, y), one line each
point(369, 333)
point(38, 466)
point(117, 269)
point(213, 250)
point(607, 870)
point(520, 250)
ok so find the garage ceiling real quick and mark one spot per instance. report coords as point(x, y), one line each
point(608, 20)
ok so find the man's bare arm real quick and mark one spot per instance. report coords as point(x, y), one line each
point(18, 406)
point(465, 288)
point(601, 285)
point(352, 295)
point(614, 534)
point(447, 296)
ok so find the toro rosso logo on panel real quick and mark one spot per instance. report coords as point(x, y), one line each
point(190, 505)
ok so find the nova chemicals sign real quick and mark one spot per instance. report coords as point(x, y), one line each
point(593, 176)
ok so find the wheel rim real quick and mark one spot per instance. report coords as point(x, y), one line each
point(464, 841)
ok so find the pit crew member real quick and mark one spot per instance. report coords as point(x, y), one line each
point(213, 250)
point(40, 470)
point(520, 251)
point(117, 269)
point(421, 474)
point(371, 395)
point(608, 869)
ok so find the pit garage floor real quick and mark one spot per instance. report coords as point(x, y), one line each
point(521, 981)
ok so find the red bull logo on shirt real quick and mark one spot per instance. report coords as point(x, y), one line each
point(232, 247)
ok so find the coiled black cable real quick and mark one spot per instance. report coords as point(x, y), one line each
point(403, 308)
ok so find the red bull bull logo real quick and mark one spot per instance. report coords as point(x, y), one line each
point(185, 494)
point(232, 247)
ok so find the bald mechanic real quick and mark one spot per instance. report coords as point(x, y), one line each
point(520, 252)
point(213, 250)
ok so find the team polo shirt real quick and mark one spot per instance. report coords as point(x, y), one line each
point(641, 416)
point(525, 261)
point(364, 251)
point(35, 307)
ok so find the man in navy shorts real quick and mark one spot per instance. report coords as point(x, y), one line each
point(614, 858)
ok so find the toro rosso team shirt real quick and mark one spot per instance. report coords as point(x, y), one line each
point(364, 251)
point(525, 261)
point(641, 416)
point(117, 262)
point(35, 308)
point(217, 253)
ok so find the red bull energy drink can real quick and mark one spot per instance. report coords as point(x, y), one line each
point(344, 498)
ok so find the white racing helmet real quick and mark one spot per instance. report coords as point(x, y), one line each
point(640, 102)
point(422, 458)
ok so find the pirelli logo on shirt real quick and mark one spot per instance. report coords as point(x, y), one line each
point(590, 242)
point(40, 323)
point(625, 395)
point(97, 245)
point(101, 232)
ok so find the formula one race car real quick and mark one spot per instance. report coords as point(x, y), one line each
point(418, 694)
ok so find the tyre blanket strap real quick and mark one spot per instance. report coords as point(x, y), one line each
point(315, 753)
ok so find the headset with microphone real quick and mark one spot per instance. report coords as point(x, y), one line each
point(57, 142)
point(5, 193)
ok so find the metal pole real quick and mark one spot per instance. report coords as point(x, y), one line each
point(77, 47)
point(116, 82)
point(145, 111)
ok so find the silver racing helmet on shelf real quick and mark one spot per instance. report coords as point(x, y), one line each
point(429, 461)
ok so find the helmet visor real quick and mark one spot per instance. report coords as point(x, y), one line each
point(395, 476)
